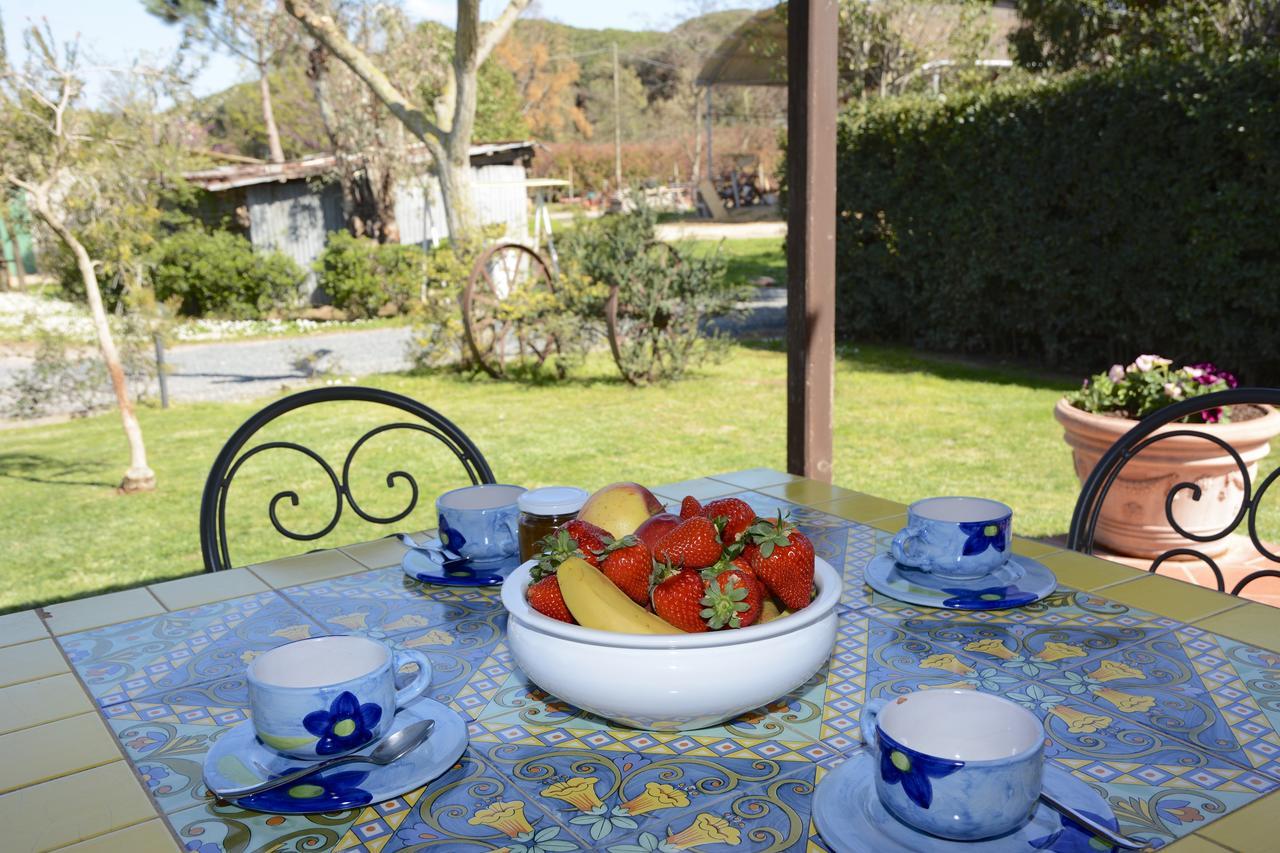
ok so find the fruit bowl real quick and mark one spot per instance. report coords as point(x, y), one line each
point(672, 682)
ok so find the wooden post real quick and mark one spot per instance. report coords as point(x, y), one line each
point(811, 245)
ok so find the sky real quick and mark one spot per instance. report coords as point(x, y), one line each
point(118, 32)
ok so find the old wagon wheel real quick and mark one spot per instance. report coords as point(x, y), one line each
point(641, 315)
point(499, 306)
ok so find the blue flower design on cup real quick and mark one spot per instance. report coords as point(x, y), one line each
point(989, 598)
point(326, 696)
point(981, 536)
point(978, 775)
point(913, 770)
point(339, 790)
point(958, 538)
point(347, 725)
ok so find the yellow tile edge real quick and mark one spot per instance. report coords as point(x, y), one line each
point(1168, 597)
point(1250, 622)
point(1251, 828)
point(206, 588)
point(1197, 844)
point(22, 627)
point(151, 836)
point(1086, 572)
point(73, 808)
point(97, 611)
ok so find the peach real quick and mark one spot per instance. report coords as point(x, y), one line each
point(620, 508)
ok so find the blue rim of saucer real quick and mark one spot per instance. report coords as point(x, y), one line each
point(1020, 581)
point(239, 760)
point(431, 563)
point(851, 819)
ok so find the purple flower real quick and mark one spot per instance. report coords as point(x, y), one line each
point(1207, 373)
point(1116, 373)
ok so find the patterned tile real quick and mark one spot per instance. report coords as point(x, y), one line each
point(138, 659)
point(1175, 726)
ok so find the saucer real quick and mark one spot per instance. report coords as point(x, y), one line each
point(239, 760)
point(1021, 580)
point(851, 818)
point(429, 563)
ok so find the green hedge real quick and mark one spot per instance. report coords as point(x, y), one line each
point(217, 273)
point(1078, 220)
point(363, 276)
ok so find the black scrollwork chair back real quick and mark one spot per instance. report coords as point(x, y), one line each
point(213, 505)
point(1084, 520)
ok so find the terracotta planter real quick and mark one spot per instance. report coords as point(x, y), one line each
point(1133, 518)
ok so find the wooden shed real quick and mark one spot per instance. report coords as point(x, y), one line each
point(292, 207)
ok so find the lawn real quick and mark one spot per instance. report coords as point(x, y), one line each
point(906, 426)
point(749, 259)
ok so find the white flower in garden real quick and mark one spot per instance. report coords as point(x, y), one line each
point(1116, 373)
point(1193, 372)
point(1173, 390)
point(1147, 362)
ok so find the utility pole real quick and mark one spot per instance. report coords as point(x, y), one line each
point(617, 124)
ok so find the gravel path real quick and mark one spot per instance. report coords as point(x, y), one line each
point(239, 370)
point(243, 370)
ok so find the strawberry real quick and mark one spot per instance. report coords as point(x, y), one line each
point(782, 558)
point(572, 539)
point(628, 563)
point(689, 507)
point(545, 597)
point(737, 514)
point(692, 545)
point(591, 539)
point(733, 598)
point(678, 599)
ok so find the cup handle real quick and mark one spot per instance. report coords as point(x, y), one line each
point(421, 681)
point(902, 542)
point(870, 714)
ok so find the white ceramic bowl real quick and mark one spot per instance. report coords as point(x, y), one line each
point(672, 682)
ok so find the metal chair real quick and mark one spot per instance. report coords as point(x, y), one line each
point(1084, 519)
point(213, 504)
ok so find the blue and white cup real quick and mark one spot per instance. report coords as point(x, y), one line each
point(480, 523)
point(958, 764)
point(328, 696)
point(956, 537)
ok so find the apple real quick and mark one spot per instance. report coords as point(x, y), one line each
point(620, 508)
point(655, 527)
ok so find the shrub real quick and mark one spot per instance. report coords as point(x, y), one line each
point(65, 377)
point(363, 276)
point(219, 273)
point(665, 297)
point(1072, 221)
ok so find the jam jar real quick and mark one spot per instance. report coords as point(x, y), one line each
point(542, 511)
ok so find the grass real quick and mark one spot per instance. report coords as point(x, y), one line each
point(906, 426)
point(749, 259)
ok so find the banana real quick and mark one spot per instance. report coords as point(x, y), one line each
point(769, 611)
point(596, 603)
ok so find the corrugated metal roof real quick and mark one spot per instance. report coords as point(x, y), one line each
point(249, 174)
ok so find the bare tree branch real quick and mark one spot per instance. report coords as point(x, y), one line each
point(326, 31)
point(492, 33)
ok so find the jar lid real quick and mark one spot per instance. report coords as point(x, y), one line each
point(552, 500)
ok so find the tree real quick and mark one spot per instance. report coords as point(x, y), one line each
point(254, 30)
point(88, 172)
point(1063, 34)
point(444, 118)
point(546, 79)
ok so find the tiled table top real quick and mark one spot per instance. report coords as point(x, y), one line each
point(1161, 695)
